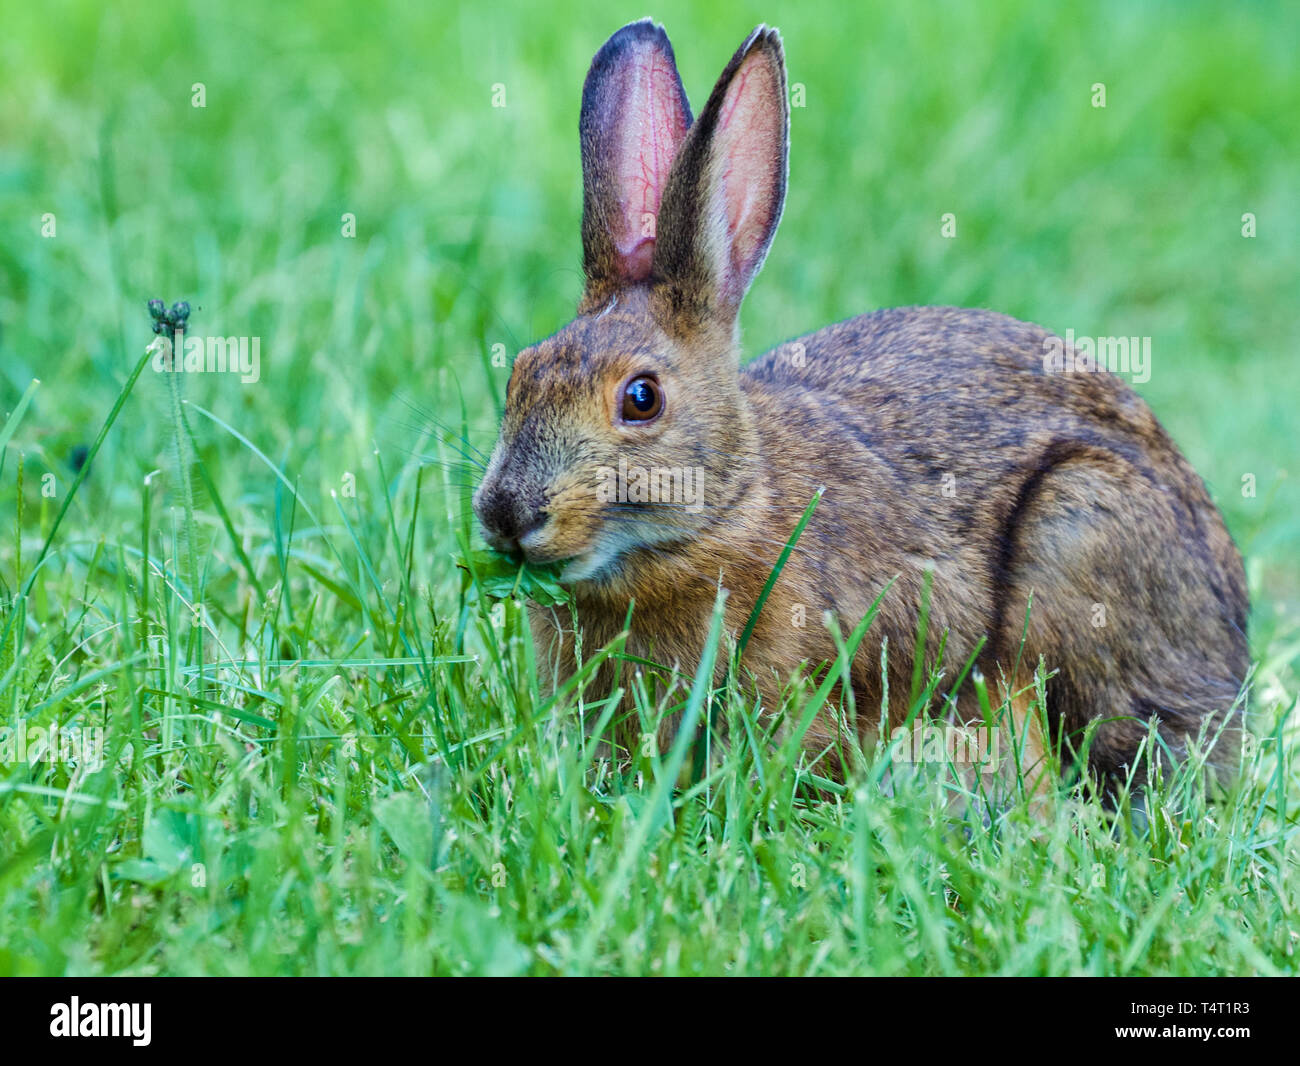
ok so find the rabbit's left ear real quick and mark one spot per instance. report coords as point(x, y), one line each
point(634, 118)
point(725, 193)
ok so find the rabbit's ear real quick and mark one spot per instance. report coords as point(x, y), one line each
point(634, 117)
point(724, 195)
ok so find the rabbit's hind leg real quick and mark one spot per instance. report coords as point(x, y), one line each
point(1126, 611)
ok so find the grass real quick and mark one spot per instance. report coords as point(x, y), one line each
point(325, 747)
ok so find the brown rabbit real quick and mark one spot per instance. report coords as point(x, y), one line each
point(946, 439)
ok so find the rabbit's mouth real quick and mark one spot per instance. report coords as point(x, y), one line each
point(593, 563)
point(537, 546)
point(587, 548)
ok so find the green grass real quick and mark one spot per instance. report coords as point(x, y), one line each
point(404, 799)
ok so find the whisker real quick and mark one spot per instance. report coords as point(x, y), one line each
point(467, 465)
point(428, 416)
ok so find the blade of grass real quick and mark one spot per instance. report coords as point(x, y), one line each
point(85, 466)
point(659, 808)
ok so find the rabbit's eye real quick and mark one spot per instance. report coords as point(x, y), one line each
point(643, 399)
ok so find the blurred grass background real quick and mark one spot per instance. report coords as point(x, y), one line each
point(1124, 220)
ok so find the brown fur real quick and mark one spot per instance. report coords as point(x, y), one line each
point(1065, 485)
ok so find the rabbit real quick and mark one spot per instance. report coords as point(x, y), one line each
point(946, 440)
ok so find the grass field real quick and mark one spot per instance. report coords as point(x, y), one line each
point(324, 749)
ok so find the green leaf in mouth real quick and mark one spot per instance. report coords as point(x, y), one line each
point(499, 577)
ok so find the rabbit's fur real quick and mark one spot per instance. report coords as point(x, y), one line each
point(942, 438)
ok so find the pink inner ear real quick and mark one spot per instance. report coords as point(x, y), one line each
point(649, 133)
point(748, 139)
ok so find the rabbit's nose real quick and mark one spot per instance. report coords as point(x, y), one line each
point(507, 518)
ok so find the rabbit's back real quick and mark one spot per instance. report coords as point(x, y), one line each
point(961, 408)
point(944, 390)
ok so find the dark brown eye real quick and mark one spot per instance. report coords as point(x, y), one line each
point(643, 399)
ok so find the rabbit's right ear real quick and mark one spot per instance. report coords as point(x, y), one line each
point(724, 196)
point(634, 117)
